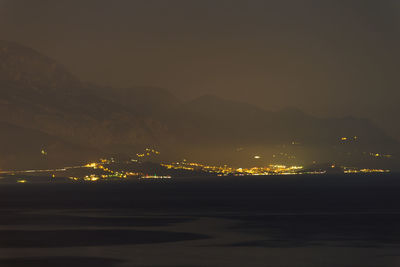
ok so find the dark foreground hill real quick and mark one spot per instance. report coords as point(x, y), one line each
point(44, 103)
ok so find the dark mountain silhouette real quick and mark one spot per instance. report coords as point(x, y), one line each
point(42, 102)
point(25, 67)
point(141, 100)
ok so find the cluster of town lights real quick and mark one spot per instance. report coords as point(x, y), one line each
point(105, 171)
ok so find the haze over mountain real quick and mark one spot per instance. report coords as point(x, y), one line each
point(44, 107)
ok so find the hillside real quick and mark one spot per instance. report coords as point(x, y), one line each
point(44, 103)
point(28, 148)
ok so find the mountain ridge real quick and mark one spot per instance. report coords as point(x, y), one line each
point(39, 94)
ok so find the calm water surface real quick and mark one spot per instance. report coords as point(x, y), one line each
point(214, 221)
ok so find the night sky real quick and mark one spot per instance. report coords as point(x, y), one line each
point(328, 58)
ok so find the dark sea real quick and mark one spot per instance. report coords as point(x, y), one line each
point(280, 221)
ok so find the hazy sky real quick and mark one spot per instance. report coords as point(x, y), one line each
point(325, 57)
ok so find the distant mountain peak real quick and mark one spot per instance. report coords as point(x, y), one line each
point(208, 98)
point(292, 111)
point(41, 103)
point(29, 68)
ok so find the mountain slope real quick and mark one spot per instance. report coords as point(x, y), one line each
point(44, 103)
point(37, 93)
point(26, 67)
point(22, 147)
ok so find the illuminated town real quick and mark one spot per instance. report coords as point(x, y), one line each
point(141, 168)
